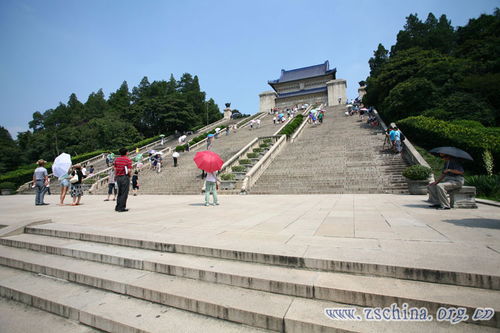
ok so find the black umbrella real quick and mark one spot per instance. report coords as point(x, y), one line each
point(451, 151)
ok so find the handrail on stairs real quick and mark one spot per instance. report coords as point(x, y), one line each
point(256, 171)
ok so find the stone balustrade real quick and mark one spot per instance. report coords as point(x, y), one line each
point(253, 175)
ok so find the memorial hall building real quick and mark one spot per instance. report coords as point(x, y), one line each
point(312, 84)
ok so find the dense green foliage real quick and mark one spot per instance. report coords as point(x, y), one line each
point(252, 155)
point(428, 132)
point(438, 71)
point(440, 85)
point(238, 168)
point(290, 128)
point(125, 118)
point(435, 162)
point(417, 172)
point(7, 186)
point(9, 153)
point(486, 186)
point(227, 176)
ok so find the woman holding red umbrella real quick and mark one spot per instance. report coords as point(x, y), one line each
point(210, 162)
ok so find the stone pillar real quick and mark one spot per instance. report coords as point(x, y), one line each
point(227, 111)
point(267, 101)
point(336, 90)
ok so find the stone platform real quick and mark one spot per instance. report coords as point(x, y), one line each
point(287, 256)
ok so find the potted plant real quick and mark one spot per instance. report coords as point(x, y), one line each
point(252, 155)
point(239, 171)
point(417, 177)
point(228, 181)
point(7, 188)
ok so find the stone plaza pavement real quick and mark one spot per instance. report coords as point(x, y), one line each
point(256, 263)
point(377, 228)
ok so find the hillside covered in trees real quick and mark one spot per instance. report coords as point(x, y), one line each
point(126, 117)
point(440, 84)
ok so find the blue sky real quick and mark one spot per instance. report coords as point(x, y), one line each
point(51, 49)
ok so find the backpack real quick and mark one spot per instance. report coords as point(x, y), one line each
point(402, 137)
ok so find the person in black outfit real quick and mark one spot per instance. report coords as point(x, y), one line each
point(135, 182)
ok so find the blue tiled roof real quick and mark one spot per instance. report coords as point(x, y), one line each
point(304, 73)
point(302, 92)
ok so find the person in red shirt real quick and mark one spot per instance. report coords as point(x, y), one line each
point(123, 171)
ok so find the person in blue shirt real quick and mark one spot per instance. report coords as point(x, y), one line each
point(394, 134)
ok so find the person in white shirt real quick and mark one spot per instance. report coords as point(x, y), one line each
point(175, 155)
point(211, 187)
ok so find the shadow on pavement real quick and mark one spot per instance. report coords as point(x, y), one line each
point(476, 223)
point(424, 205)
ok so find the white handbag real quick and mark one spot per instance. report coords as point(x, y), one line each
point(74, 179)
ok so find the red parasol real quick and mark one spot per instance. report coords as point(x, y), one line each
point(208, 160)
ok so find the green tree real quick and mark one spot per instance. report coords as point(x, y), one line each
point(479, 41)
point(120, 101)
point(96, 105)
point(10, 153)
point(171, 85)
point(151, 109)
point(411, 36)
point(213, 111)
point(143, 91)
point(380, 57)
point(409, 98)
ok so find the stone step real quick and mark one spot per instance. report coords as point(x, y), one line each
point(366, 262)
point(105, 311)
point(209, 299)
point(17, 317)
point(258, 191)
point(255, 308)
point(344, 179)
point(298, 189)
point(337, 287)
point(340, 156)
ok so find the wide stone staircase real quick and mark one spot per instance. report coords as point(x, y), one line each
point(185, 178)
point(342, 155)
point(127, 282)
point(101, 167)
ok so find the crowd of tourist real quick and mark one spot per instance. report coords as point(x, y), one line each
point(281, 115)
